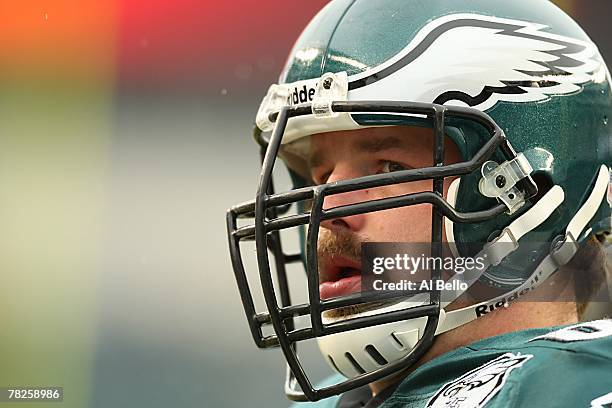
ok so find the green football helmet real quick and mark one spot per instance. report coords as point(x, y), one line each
point(517, 86)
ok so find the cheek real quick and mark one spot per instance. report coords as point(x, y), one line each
point(407, 224)
point(397, 190)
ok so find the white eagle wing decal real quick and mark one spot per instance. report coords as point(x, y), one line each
point(474, 60)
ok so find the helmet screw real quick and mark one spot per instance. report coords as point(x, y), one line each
point(500, 181)
point(557, 243)
point(327, 83)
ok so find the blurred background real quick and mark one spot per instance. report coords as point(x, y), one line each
point(124, 135)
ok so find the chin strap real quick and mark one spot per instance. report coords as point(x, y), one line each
point(560, 254)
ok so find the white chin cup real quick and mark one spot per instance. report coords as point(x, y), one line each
point(358, 351)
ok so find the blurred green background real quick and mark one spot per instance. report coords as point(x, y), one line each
point(124, 136)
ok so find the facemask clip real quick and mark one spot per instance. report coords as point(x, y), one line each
point(330, 88)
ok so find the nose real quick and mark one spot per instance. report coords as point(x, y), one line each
point(354, 223)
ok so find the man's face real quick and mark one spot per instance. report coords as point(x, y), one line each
point(350, 154)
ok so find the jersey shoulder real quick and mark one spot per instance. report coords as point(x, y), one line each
point(593, 338)
point(567, 366)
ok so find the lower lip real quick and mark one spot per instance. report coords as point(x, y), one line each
point(342, 287)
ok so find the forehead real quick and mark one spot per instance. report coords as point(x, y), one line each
point(403, 135)
point(370, 140)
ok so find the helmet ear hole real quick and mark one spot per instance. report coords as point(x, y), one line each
point(544, 182)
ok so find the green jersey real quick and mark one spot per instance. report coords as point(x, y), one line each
point(567, 366)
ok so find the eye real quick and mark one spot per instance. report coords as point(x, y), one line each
point(390, 167)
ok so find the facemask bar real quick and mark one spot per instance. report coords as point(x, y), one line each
point(267, 227)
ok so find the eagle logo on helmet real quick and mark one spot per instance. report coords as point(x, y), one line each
point(477, 61)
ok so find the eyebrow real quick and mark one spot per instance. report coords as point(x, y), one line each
point(374, 145)
point(380, 144)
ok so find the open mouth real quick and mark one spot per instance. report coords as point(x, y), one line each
point(339, 277)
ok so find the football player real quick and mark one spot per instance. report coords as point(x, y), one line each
point(478, 127)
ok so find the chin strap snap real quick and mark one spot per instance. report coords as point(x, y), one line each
point(499, 181)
